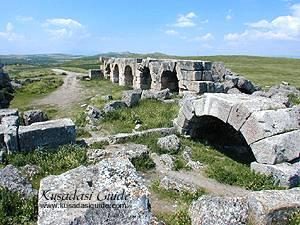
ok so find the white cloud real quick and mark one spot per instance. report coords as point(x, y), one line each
point(61, 28)
point(281, 28)
point(206, 37)
point(229, 15)
point(24, 18)
point(172, 32)
point(8, 33)
point(186, 20)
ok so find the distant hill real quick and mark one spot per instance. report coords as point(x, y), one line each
point(40, 59)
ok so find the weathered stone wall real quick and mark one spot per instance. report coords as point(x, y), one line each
point(177, 75)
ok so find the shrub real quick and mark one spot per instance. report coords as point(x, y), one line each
point(15, 209)
point(143, 163)
point(51, 161)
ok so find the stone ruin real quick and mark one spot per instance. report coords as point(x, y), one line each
point(251, 126)
point(176, 75)
point(16, 138)
point(6, 89)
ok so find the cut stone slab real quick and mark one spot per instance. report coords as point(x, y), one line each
point(132, 97)
point(178, 185)
point(268, 123)
point(159, 95)
point(169, 143)
point(10, 121)
point(11, 139)
point(112, 184)
point(8, 112)
point(217, 105)
point(114, 105)
point(12, 179)
point(130, 151)
point(285, 174)
point(190, 65)
point(34, 116)
point(242, 110)
point(279, 148)
point(219, 210)
point(273, 207)
point(50, 134)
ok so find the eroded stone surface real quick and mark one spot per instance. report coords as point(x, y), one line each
point(12, 179)
point(110, 176)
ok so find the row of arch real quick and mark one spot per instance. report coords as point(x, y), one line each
point(168, 79)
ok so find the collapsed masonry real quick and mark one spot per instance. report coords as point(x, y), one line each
point(250, 127)
point(177, 75)
point(15, 138)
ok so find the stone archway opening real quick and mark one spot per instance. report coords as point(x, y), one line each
point(107, 69)
point(116, 74)
point(146, 79)
point(169, 80)
point(128, 76)
point(221, 136)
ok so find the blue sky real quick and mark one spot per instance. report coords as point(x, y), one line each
point(186, 27)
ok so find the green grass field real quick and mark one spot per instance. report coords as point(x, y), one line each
point(265, 71)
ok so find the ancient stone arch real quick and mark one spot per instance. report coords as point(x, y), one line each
point(146, 79)
point(169, 80)
point(128, 76)
point(116, 74)
point(269, 129)
point(107, 70)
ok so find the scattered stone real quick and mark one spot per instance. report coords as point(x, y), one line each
point(273, 207)
point(195, 165)
point(12, 179)
point(114, 105)
point(31, 170)
point(178, 185)
point(167, 160)
point(34, 116)
point(284, 174)
point(219, 210)
point(280, 93)
point(187, 154)
point(93, 113)
point(169, 143)
point(132, 97)
point(159, 95)
point(107, 97)
point(16, 84)
point(130, 151)
point(114, 177)
point(50, 134)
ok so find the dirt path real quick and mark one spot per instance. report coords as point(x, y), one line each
point(192, 177)
point(67, 95)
